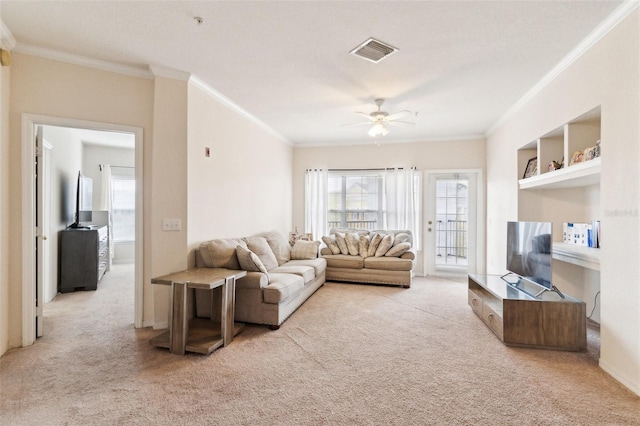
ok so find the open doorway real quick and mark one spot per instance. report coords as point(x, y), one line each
point(106, 162)
point(74, 146)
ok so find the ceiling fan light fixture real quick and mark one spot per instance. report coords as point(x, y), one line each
point(378, 129)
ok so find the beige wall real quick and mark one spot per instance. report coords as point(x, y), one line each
point(245, 186)
point(169, 189)
point(425, 156)
point(607, 75)
point(51, 88)
point(5, 73)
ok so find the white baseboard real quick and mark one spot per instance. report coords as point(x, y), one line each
point(633, 387)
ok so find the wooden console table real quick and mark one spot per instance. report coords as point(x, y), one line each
point(199, 335)
point(519, 318)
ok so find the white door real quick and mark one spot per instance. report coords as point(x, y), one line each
point(41, 237)
point(451, 223)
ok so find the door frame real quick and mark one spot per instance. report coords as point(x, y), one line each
point(480, 243)
point(28, 187)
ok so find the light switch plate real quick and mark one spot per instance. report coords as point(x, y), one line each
point(171, 224)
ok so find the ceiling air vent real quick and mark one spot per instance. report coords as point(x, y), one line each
point(373, 50)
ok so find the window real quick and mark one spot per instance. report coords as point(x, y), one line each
point(355, 200)
point(123, 207)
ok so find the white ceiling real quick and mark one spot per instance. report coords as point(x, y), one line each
point(461, 65)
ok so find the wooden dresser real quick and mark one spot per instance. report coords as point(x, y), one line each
point(84, 257)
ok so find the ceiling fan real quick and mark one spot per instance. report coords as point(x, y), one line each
point(380, 119)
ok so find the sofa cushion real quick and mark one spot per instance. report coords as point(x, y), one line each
point(385, 245)
point(401, 237)
point(259, 246)
point(249, 261)
point(279, 245)
point(363, 245)
point(374, 243)
point(305, 250)
point(396, 232)
point(331, 243)
point(342, 243)
point(353, 243)
point(388, 263)
point(282, 287)
point(307, 273)
point(221, 253)
point(398, 250)
point(344, 261)
point(319, 265)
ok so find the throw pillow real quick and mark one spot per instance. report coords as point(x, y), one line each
point(221, 253)
point(342, 243)
point(373, 244)
point(353, 243)
point(398, 250)
point(385, 245)
point(279, 245)
point(305, 250)
point(331, 243)
point(363, 246)
point(249, 261)
point(259, 246)
point(402, 237)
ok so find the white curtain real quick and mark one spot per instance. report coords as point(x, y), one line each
point(402, 202)
point(105, 201)
point(316, 203)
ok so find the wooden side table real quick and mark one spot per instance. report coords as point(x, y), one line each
point(199, 335)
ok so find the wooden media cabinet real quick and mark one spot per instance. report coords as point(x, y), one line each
point(520, 318)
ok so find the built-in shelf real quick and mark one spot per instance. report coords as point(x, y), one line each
point(581, 174)
point(587, 257)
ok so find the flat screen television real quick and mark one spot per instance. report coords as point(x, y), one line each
point(529, 252)
point(84, 201)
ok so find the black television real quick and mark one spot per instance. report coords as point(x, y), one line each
point(529, 253)
point(84, 201)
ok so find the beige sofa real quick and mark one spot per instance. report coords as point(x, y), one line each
point(362, 265)
point(279, 277)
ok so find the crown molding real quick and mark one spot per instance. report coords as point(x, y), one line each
point(595, 36)
point(6, 37)
point(161, 71)
point(237, 108)
point(390, 141)
point(85, 61)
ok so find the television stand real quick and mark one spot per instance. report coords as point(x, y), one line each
point(518, 318)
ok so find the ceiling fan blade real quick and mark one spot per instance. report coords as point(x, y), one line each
point(401, 123)
point(399, 114)
point(367, 116)
point(356, 124)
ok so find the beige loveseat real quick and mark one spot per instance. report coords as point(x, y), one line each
point(279, 277)
point(361, 262)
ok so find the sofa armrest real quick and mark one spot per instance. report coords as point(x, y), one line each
point(256, 280)
point(325, 250)
point(409, 255)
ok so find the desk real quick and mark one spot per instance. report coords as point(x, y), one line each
point(199, 335)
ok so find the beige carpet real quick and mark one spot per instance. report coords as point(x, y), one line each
point(351, 355)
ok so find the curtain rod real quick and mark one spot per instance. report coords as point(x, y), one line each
point(120, 167)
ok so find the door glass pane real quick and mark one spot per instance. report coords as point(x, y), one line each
point(452, 206)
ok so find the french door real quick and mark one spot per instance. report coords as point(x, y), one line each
point(451, 223)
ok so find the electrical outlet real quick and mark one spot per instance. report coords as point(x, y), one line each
point(171, 224)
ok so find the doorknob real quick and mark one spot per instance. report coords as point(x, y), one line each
point(44, 237)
